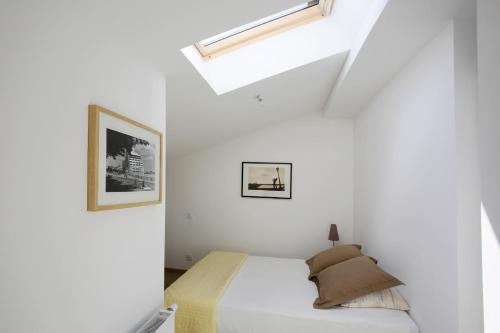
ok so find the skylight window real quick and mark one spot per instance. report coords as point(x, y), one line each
point(263, 28)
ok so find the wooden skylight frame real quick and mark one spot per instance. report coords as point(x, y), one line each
point(249, 33)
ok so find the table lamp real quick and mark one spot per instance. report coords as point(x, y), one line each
point(334, 234)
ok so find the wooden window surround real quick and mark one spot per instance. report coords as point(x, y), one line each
point(266, 27)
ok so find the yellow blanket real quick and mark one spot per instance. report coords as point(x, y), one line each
point(199, 290)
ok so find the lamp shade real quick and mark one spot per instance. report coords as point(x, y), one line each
point(334, 234)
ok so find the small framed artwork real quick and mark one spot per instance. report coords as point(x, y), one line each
point(124, 162)
point(266, 180)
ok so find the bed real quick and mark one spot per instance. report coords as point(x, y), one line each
point(273, 295)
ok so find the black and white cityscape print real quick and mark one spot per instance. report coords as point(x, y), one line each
point(130, 163)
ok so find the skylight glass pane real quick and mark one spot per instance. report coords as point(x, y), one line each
point(217, 38)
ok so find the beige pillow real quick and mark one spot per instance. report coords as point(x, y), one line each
point(333, 256)
point(349, 280)
point(387, 299)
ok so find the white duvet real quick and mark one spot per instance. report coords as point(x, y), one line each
point(273, 295)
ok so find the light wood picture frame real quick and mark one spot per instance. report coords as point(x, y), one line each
point(124, 163)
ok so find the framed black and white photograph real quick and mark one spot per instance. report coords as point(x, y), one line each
point(266, 180)
point(124, 162)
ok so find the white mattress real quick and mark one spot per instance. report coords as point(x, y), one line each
point(272, 295)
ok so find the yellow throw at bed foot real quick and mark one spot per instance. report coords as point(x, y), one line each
point(199, 290)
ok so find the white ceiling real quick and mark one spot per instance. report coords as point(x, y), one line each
point(197, 117)
point(402, 29)
point(285, 51)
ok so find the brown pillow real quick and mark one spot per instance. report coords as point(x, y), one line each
point(349, 280)
point(333, 256)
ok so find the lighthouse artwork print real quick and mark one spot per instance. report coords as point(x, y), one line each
point(266, 180)
point(124, 162)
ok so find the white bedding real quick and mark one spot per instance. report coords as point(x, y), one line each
point(273, 295)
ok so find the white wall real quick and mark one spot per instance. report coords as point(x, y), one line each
point(488, 20)
point(408, 186)
point(63, 268)
point(207, 184)
point(470, 318)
